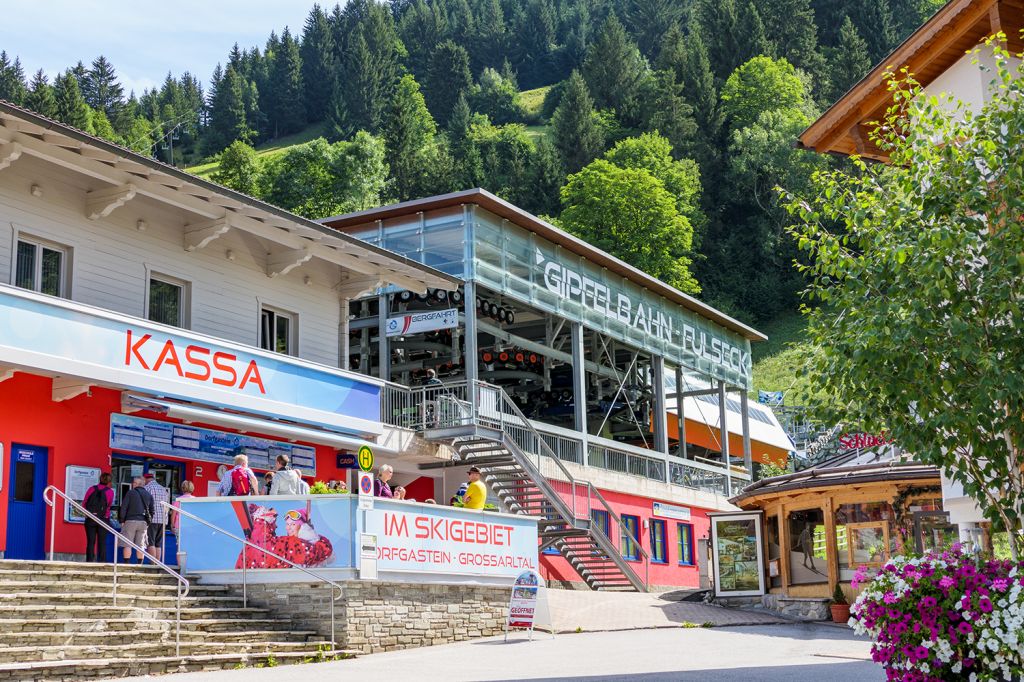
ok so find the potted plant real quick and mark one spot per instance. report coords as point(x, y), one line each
point(840, 607)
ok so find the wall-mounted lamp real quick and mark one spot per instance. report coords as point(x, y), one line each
point(229, 254)
point(141, 225)
point(36, 191)
point(307, 280)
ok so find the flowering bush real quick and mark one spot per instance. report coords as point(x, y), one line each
point(944, 616)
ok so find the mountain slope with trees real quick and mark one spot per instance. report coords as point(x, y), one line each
point(681, 113)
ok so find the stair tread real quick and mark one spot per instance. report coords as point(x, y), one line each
point(105, 662)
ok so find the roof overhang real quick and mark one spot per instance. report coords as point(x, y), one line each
point(212, 210)
point(828, 477)
point(350, 222)
point(931, 50)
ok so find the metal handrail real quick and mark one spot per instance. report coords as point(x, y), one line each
point(246, 543)
point(48, 497)
point(508, 408)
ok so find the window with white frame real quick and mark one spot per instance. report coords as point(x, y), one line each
point(167, 302)
point(41, 266)
point(277, 331)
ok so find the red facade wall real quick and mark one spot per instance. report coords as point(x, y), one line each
point(76, 432)
point(670, 573)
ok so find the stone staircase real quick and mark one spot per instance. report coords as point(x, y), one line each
point(58, 622)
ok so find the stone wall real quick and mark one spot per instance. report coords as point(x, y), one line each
point(373, 616)
point(800, 608)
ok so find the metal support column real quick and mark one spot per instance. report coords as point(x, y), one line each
point(660, 409)
point(346, 349)
point(745, 415)
point(471, 355)
point(723, 436)
point(579, 386)
point(383, 345)
point(680, 413)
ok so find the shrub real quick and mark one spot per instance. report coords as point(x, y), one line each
point(838, 597)
point(948, 615)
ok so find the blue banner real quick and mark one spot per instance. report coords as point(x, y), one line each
point(209, 445)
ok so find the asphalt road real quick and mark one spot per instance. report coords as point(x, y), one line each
point(787, 653)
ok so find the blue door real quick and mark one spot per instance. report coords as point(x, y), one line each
point(26, 511)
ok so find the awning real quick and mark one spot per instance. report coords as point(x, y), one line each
point(247, 424)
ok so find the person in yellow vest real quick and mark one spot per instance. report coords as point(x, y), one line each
point(476, 493)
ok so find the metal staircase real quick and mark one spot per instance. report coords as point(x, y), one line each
point(486, 429)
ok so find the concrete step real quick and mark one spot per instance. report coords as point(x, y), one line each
point(50, 624)
point(124, 587)
point(131, 635)
point(147, 650)
point(125, 575)
point(124, 599)
point(104, 611)
point(93, 568)
point(95, 668)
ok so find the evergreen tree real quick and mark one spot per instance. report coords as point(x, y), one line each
point(40, 97)
point(71, 107)
point(489, 38)
point(699, 85)
point(546, 177)
point(718, 22)
point(533, 50)
point(751, 26)
point(371, 64)
point(875, 23)
point(574, 127)
point(421, 28)
point(317, 64)
point(81, 75)
point(790, 23)
point(287, 112)
point(410, 148)
point(12, 80)
point(650, 20)
point(849, 60)
point(102, 92)
point(227, 111)
point(448, 78)
point(614, 70)
point(666, 112)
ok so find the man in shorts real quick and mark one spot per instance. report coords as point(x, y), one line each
point(155, 545)
point(135, 515)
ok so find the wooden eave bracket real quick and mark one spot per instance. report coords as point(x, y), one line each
point(282, 262)
point(199, 235)
point(9, 153)
point(102, 202)
point(66, 388)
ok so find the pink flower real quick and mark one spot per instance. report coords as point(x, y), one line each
point(890, 598)
point(946, 582)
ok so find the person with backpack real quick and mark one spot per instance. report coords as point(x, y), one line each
point(135, 514)
point(286, 480)
point(240, 480)
point(97, 501)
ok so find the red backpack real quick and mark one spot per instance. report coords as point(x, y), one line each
point(240, 483)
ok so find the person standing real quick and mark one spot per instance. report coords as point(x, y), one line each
point(187, 488)
point(161, 497)
point(135, 515)
point(476, 491)
point(303, 486)
point(380, 485)
point(268, 480)
point(98, 501)
point(286, 481)
point(239, 480)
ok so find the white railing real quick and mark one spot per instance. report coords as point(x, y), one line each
point(245, 561)
point(49, 497)
point(454, 404)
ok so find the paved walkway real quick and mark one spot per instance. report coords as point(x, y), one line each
point(597, 611)
point(762, 653)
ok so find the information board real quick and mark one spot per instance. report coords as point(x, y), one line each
point(137, 434)
point(77, 481)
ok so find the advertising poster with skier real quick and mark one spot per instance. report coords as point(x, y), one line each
point(312, 533)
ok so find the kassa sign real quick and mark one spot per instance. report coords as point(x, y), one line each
point(451, 541)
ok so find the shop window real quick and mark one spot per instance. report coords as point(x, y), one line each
point(602, 521)
point(684, 531)
point(808, 561)
point(277, 331)
point(168, 301)
point(627, 545)
point(41, 267)
point(659, 553)
point(862, 536)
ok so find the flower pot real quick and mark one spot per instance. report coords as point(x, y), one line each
point(840, 613)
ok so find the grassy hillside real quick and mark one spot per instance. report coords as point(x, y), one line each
point(269, 149)
point(778, 361)
point(533, 101)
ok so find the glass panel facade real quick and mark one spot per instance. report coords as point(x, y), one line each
point(437, 239)
point(518, 263)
